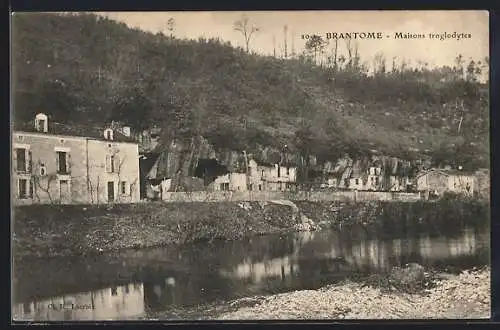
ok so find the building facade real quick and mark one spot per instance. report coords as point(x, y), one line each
point(258, 178)
point(277, 177)
point(440, 181)
point(52, 168)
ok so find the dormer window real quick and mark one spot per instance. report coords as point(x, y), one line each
point(41, 123)
point(126, 131)
point(108, 134)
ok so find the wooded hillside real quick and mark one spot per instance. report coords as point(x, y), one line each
point(82, 68)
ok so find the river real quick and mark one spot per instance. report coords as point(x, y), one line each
point(136, 283)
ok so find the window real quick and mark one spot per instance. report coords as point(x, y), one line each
point(112, 163)
point(260, 187)
point(114, 291)
point(376, 180)
point(262, 173)
point(22, 184)
point(357, 181)
point(43, 170)
point(41, 125)
point(287, 170)
point(108, 134)
point(25, 188)
point(279, 171)
point(62, 162)
point(20, 160)
point(123, 187)
point(224, 186)
point(250, 187)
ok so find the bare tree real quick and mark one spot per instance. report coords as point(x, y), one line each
point(274, 46)
point(42, 181)
point(348, 44)
point(379, 64)
point(459, 67)
point(245, 27)
point(292, 51)
point(335, 51)
point(171, 26)
point(118, 169)
point(459, 105)
point(394, 67)
point(315, 45)
point(94, 190)
point(285, 32)
point(46, 187)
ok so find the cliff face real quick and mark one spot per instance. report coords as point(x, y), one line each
point(196, 157)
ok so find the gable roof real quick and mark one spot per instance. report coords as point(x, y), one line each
point(443, 172)
point(90, 131)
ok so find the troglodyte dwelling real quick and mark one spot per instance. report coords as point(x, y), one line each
point(60, 164)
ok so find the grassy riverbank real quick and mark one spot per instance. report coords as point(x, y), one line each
point(52, 230)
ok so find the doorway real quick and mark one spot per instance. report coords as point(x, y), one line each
point(111, 191)
point(64, 192)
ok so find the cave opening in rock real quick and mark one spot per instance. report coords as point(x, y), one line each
point(209, 170)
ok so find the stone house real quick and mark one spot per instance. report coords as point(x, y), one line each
point(398, 183)
point(61, 164)
point(258, 178)
point(438, 181)
point(277, 177)
point(369, 179)
point(374, 179)
point(356, 179)
point(230, 182)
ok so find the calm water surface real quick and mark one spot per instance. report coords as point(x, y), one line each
point(132, 283)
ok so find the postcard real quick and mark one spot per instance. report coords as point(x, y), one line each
point(260, 165)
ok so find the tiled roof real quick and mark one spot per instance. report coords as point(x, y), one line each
point(90, 131)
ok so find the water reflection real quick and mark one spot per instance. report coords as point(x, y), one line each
point(329, 254)
point(137, 282)
point(114, 303)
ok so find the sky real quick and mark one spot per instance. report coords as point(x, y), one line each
point(271, 27)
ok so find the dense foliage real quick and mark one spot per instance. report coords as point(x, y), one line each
point(86, 68)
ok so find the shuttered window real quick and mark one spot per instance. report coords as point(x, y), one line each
point(22, 191)
point(20, 159)
point(112, 164)
point(62, 162)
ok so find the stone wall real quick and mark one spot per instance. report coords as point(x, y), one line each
point(228, 196)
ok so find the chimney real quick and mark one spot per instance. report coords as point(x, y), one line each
point(41, 123)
